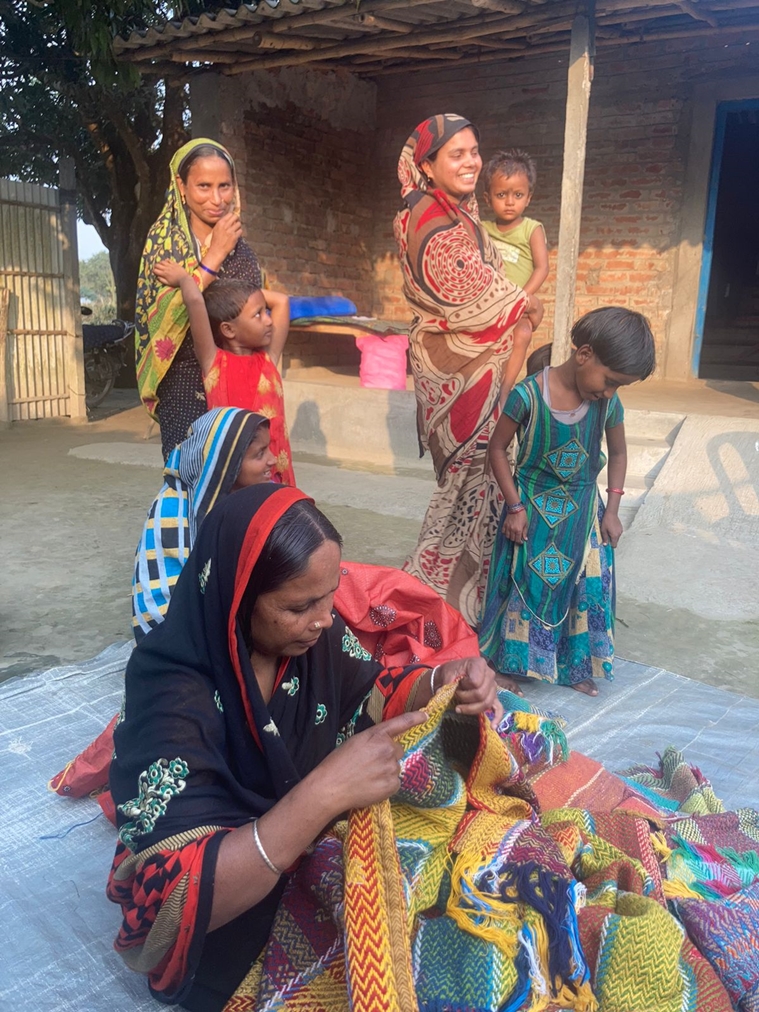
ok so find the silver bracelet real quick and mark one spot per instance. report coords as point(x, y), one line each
point(264, 856)
point(432, 680)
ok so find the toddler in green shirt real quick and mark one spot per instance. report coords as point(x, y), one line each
point(509, 180)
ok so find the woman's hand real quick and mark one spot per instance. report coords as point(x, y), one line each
point(515, 527)
point(170, 273)
point(366, 769)
point(224, 236)
point(611, 529)
point(363, 771)
point(477, 691)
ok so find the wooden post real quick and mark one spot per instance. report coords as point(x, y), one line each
point(579, 77)
point(72, 317)
point(5, 391)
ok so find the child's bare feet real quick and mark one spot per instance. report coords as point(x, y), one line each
point(588, 687)
point(511, 684)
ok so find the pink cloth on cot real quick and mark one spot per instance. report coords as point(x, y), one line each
point(383, 361)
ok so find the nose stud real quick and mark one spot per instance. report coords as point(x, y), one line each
point(317, 625)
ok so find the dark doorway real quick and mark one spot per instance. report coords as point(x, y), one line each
point(730, 348)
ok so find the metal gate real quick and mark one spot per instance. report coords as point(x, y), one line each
point(41, 365)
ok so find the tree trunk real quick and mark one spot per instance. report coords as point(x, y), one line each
point(125, 264)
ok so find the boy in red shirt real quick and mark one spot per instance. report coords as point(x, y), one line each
point(239, 333)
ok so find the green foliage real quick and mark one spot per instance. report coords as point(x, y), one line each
point(97, 288)
point(63, 93)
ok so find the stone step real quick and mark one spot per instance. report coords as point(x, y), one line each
point(659, 426)
point(330, 415)
point(407, 495)
point(335, 422)
point(644, 461)
point(747, 372)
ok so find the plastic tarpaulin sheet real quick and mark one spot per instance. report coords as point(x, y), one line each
point(56, 926)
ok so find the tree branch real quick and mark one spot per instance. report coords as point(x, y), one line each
point(173, 132)
point(131, 141)
point(97, 218)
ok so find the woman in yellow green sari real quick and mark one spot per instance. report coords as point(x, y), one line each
point(199, 227)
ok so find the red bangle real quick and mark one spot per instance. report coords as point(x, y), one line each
point(619, 491)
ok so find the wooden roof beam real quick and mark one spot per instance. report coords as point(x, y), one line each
point(624, 18)
point(345, 11)
point(201, 56)
point(502, 6)
point(725, 6)
point(388, 24)
point(416, 54)
point(208, 39)
point(267, 40)
point(698, 15)
point(548, 48)
point(475, 60)
point(193, 42)
point(464, 29)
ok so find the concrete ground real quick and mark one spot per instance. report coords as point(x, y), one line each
point(72, 511)
point(75, 496)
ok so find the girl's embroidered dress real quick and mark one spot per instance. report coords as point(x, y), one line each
point(549, 610)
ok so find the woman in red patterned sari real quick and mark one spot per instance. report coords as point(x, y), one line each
point(461, 337)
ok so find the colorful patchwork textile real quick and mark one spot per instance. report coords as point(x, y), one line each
point(727, 933)
point(712, 856)
point(582, 782)
point(642, 962)
point(674, 785)
point(454, 897)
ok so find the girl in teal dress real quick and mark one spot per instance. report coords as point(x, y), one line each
point(549, 608)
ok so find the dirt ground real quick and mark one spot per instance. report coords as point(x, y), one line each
point(71, 525)
point(72, 511)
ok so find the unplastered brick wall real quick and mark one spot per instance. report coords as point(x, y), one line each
point(637, 142)
point(304, 196)
point(302, 146)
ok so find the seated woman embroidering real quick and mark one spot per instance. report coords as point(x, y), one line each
point(461, 879)
point(226, 766)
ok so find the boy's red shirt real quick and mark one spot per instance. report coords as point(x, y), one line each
point(253, 382)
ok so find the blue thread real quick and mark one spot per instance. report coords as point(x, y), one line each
point(60, 836)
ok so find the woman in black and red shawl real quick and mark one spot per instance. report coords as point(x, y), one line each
point(226, 766)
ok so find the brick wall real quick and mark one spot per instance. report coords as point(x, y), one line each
point(302, 148)
point(318, 174)
point(637, 142)
point(304, 205)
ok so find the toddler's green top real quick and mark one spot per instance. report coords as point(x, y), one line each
point(514, 247)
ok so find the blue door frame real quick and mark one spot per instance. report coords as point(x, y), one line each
point(711, 213)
